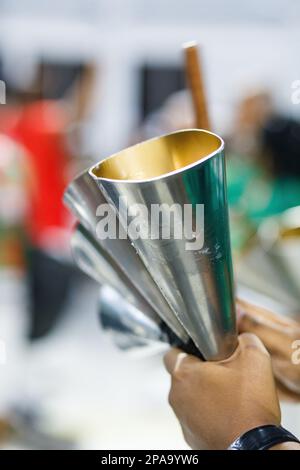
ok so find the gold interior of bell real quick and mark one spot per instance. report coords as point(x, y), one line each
point(158, 156)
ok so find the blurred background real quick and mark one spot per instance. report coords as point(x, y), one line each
point(84, 78)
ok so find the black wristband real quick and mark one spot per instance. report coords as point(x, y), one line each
point(262, 438)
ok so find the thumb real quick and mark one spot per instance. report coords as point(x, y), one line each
point(174, 359)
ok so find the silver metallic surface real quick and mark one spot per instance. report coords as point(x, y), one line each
point(94, 261)
point(83, 198)
point(185, 167)
point(130, 328)
point(91, 259)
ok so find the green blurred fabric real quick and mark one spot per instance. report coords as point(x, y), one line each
point(254, 195)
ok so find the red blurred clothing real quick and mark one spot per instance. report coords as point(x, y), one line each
point(40, 128)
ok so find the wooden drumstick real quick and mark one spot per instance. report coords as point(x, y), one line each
point(195, 81)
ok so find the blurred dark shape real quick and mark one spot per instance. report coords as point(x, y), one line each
point(281, 142)
point(267, 136)
point(157, 84)
point(52, 81)
point(58, 78)
point(50, 280)
point(1, 69)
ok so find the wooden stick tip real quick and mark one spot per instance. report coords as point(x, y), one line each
point(189, 44)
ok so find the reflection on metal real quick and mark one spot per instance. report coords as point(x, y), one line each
point(130, 328)
point(186, 167)
point(83, 198)
point(95, 262)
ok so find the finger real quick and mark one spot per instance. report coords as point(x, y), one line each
point(249, 341)
point(276, 338)
point(175, 358)
point(244, 307)
point(250, 323)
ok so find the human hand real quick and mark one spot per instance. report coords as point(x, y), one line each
point(216, 402)
point(281, 337)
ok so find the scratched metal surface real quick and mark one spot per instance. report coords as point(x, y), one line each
point(198, 285)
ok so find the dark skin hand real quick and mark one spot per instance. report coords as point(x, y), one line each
point(215, 402)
